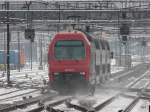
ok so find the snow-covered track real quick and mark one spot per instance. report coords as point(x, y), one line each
point(92, 109)
point(56, 103)
point(49, 104)
point(21, 93)
point(131, 105)
point(128, 73)
point(26, 102)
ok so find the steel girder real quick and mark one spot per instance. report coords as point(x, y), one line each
point(96, 12)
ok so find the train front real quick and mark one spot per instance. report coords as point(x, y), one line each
point(69, 60)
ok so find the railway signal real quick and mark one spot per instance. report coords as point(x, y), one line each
point(124, 32)
point(30, 34)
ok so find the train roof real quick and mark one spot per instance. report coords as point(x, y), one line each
point(68, 32)
point(99, 42)
point(75, 32)
point(87, 35)
point(91, 38)
point(103, 42)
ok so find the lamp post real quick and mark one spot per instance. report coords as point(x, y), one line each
point(8, 45)
point(29, 25)
point(18, 35)
point(41, 52)
point(5, 59)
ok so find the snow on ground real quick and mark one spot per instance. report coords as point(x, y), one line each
point(115, 68)
point(142, 106)
point(135, 63)
point(26, 77)
point(20, 97)
point(37, 76)
point(7, 90)
point(16, 93)
point(119, 104)
point(87, 101)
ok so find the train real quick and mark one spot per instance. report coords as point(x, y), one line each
point(16, 59)
point(77, 58)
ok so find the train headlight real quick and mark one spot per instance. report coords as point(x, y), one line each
point(82, 73)
point(56, 73)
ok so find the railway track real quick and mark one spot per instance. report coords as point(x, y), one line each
point(22, 98)
point(125, 100)
point(19, 94)
point(54, 103)
point(66, 104)
point(140, 69)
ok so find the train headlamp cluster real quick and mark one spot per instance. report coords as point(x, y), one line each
point(56, 73)
point(82, 73)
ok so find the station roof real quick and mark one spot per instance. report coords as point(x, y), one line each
point(47, 15)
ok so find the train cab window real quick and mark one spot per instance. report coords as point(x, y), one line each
point(69, 49)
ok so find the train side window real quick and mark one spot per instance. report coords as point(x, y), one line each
point(111, 55)
point(102, 44)
point(103, 68)
point(96, 44)
point(107, 45)
point(108, 67)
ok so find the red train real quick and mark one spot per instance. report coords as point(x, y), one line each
point(76, 57)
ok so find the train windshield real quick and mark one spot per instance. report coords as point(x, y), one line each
point(69, 49)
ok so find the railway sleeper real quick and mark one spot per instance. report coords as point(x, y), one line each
point(48, 105)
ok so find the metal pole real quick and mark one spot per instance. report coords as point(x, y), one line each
point(31, 54)
point(129, 51)
point(41, 52)
point(29, 24)
point(58, 26)
point(5, 59)
point(119, 38)
point(8, 45)
point(143, 53)
point(126, 54)
point(19, 51)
